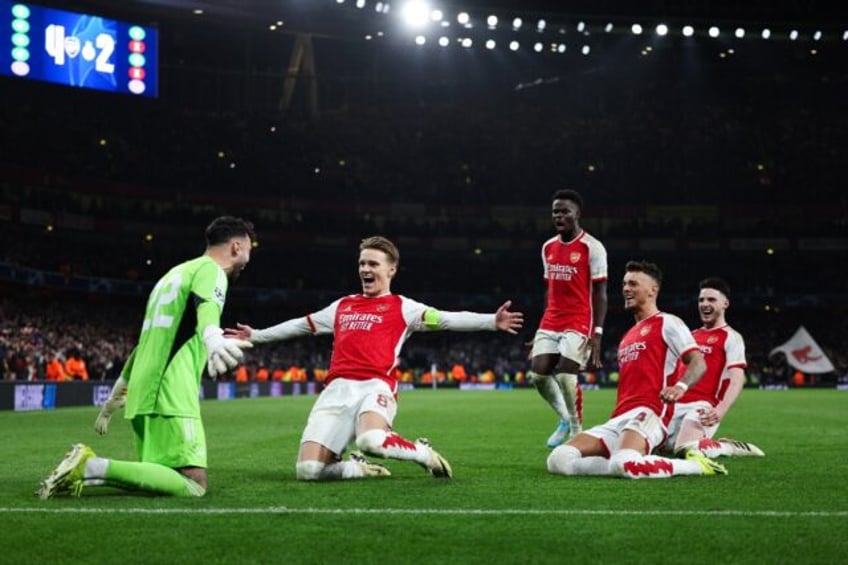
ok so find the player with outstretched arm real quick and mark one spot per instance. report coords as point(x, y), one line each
point(359, 401)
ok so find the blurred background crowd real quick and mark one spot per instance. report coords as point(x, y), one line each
point(709, 165)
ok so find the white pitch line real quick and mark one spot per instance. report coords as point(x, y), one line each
point(434, 511)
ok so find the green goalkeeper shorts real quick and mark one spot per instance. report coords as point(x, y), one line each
point(170, 440)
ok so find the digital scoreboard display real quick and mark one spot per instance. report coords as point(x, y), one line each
point(77, 49)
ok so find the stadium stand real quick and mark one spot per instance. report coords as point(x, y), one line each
point(706, 165)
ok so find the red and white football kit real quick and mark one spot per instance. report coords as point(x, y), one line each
point(368, 334)
point(647, 359)
point(723, 349)
point(570, 268)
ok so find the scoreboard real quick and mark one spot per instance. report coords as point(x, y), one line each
point(77, 49)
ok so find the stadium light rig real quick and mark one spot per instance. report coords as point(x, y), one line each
point(431, 23)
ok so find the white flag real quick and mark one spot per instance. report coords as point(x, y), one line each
point(803, 353)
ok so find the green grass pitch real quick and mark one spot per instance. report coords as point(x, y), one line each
point(501, 507)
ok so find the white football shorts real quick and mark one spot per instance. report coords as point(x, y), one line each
point(570, 345)
point(688, 411)
point(641, 420)
point(332, 421)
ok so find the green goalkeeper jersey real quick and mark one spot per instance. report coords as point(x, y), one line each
point(165, 368)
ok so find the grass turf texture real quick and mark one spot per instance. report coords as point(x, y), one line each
point(501, 507)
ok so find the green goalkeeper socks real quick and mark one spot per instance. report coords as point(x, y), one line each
point(152, 477)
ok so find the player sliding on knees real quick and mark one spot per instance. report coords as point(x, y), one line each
point(647, 358)
point(359, 401)
point(698, 412)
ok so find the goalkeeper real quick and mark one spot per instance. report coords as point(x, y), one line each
point(180, 336)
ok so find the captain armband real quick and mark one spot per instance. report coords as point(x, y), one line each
point(432, 319)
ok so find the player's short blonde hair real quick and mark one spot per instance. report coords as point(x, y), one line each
point(383, 244)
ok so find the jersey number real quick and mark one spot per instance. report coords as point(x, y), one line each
point(165, 292)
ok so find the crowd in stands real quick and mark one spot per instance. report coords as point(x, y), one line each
point(458, 168)
point(63, 336)
point(62, 339)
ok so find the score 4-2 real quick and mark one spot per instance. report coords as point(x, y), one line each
point(59, 46)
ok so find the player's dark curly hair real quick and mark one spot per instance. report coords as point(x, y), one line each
point(715, 283)
point(224, 228)
point(568, 194)
point(650, 269)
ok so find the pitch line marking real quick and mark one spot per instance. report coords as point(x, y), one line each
point(434, 511)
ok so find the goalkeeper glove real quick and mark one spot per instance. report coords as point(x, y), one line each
point(222, 354)
point(117, 399)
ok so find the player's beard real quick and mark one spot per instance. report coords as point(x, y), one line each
point(235, 273)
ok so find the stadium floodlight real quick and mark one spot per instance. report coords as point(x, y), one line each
point(537, 47)
point(378, 7)
point(444, 41)
point(541, 25)
point(340, 1)
point(662, 30)
point(420, 40)
point(739, 33)
point(466, 42)
point(845, 35)
point(688, 31)
point(492, 21)
point(793, 35)
point(490, 44)
point(436, 15)
point(360, 4)
point(581, 26)
point(516, 24)
point(415, 14)
point(766, 33)
point(463, 18)
point(714, 31)
point(636, 29)
point(609, 27)
point(561, 48)
point(513, 45)
point(585, 49)
point(817, 35)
